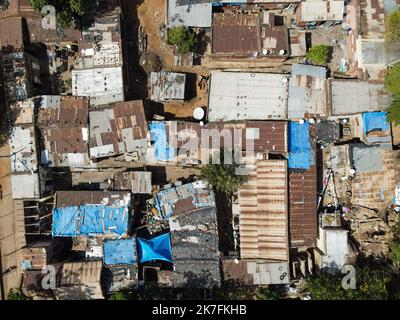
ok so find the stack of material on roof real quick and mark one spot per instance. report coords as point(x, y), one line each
point(264, 212)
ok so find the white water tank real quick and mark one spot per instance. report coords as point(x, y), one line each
point(198, 113)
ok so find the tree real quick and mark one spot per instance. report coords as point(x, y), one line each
point(66, 10)
point(371, 285)
point(266, 294)
point(222, 176)
point(16, 294)
point(394, 110)
point(394, 253)
point(119, 296)
point(318, 54)
point(185, 39)
point(392, 33)
point(392, 79)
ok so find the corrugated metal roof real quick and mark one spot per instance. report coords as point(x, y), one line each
point(117, 129)
point(264, 212)
point(191, 15)
point(374, 182)
point(236, 96)
point(167, 86)
point(303, 208)
point(336, 248)
point(357, 96)
point(319, 10)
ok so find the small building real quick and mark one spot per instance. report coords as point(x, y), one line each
point(120, 252)
point(357, 96)
point(23, 151)
point(63, 122)
point(263, 217)
point(138, 182)
point(79, 281)
point(374, 182)
point(302, 186)
point(91, 213)
point(255, 273)
point(182, 198)
point(167, 86)
point(185, 142)
point(246, 34)
point(308, 92)
point(36, 256)
point(102, 85)
point(333, 242)
point(195, 251)
point(236, 96)
point(321, 10)
point(188, 14)
point(118, 129)
point(376, 128)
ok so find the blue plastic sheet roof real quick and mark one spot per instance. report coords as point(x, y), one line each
point(89, 219)
point(121, 251)
point(375, 121)
point(300, 152)
point(158, 248)
point(158, 134)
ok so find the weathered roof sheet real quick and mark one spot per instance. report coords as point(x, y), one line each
point(138, 182)
point(12, 33)
point(336, 248)
point(374, 182)
point(307, 92)
point(117, 129)
point(319, 10)
point(25, 186)
point(357, 96)
point(63, 122)
point(238, 96)
point(167, 86)
point(264, 212)
point(190, 15)
point(102, 85)
point(195, 250)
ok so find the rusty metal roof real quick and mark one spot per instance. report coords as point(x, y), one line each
point(374, 188)
point(63, 121)
point(303, 207)
point(263, 216)
point(235, 33)
point(77, 198)
point(11, 33)
point(117, 129)
point(272, 134)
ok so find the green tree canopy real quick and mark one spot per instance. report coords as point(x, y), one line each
point(66, 10)
point(371, 285)
point(222, 176)
point(266, 294)
point(16, 294)
point(318, 54)
point(393, 27)
point(392, 79)
point(394, 253)
point(185, 39)
point(120, 296)
point(394, 110)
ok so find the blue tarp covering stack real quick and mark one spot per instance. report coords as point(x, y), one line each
point(300, 152)
point(158, 134)
point(158, 248)
point(89, 219)
point(121, 251)
point(375, 121)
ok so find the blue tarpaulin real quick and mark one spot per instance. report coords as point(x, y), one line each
point(300, 152)
point(122, 251)
point(158, 248)
point(375, 121)
point(158, 134)
point(89, 219)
